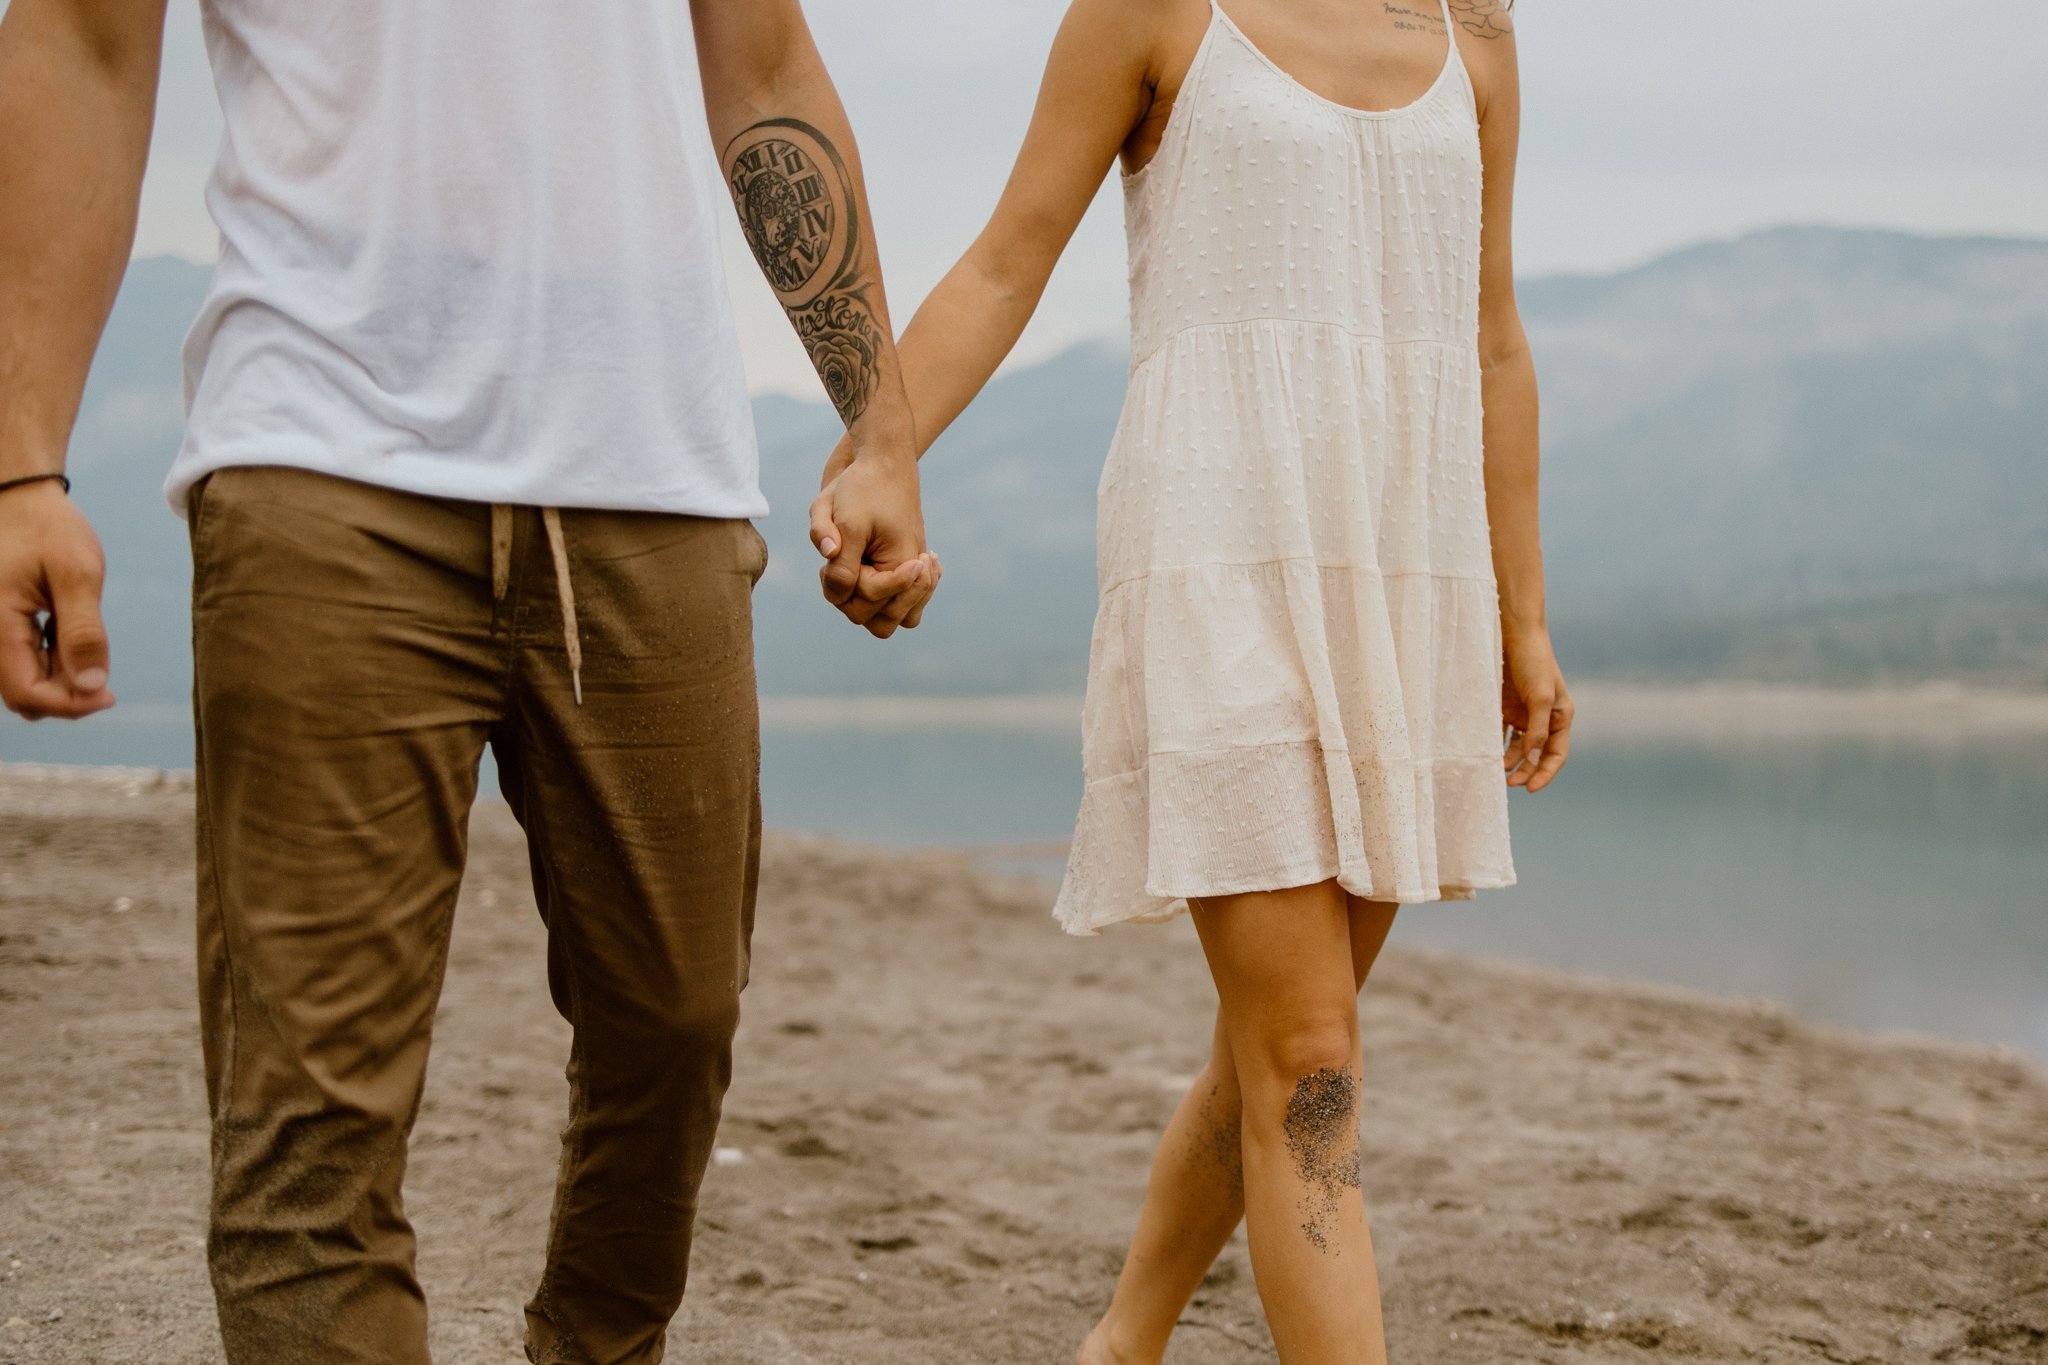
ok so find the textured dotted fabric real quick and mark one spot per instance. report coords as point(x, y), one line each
point(1295, 672)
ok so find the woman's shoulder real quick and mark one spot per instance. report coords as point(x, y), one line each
point(1178, 27)
point(1156, 25)
point(1161, 36)
point(1484, 20)
point(1485, 31)
point(1165, 36)
point(1486, 38)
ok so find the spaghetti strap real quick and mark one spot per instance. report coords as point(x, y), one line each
point(1457, 54)
point(1451, 32)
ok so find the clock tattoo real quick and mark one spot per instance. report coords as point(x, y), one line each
point(801, 220)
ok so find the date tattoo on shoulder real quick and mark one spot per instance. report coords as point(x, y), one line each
point(1484, 18)
point(802, 222)
point(1413, 20)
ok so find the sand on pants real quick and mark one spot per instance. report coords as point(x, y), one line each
point(944, 1111)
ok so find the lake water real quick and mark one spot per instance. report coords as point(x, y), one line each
point(1888, 881)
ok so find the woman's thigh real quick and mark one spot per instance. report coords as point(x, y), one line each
point(1283, 966)
point(1371, 922)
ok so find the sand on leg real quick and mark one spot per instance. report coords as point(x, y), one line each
point(1282, 965)
point(1195, 1199)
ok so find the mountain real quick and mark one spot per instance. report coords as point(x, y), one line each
point(1794, 418)
point(1807, 454)
point(1821, 450)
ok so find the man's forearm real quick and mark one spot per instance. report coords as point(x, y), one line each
point(789, 157)
point(77, 97)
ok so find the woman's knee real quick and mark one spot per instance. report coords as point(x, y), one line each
point(1278, 1055)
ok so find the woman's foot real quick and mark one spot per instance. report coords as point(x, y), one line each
point(1098, 1350)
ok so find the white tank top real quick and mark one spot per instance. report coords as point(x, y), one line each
point(470, 249)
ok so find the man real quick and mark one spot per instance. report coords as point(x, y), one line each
point(469, 461)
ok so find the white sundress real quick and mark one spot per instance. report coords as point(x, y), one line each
point(1296, 668)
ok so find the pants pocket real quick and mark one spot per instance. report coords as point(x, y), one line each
point(760, 563)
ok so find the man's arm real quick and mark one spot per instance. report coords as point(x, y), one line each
point(77, 97)
point(789, 157)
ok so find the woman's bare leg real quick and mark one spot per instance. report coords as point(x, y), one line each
point(1193, 1204)
point(1196, 1196)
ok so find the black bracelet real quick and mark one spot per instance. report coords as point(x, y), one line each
point(25, 481)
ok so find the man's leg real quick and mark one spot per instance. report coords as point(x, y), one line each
point(642, 813)
point(346, 675)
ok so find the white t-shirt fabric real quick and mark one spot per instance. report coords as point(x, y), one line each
point(470, 249)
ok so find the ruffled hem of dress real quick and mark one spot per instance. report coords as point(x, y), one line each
point(1279, 816)
point(1092, 928)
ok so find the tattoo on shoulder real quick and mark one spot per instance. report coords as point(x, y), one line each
point(1484, 18)
point(802, 222)
point(1412, 19)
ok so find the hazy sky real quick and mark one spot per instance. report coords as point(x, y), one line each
point(1647, 126)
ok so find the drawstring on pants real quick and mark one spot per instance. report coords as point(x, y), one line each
point(558, 550)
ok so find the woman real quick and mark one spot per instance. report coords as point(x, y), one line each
point(1297, 686)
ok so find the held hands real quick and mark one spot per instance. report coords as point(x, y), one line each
point(1538, 710)
point(868, 523)
point(53, 647)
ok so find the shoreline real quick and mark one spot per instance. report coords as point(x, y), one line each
point(31, 790)
point(1625, 710)
point(1618, 709)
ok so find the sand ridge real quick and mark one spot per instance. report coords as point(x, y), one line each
point(944, 1109)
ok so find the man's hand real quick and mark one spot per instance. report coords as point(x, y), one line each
point(51, 566)
point(869, 525)
point(795, 175)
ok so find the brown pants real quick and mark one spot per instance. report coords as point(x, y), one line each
point(353, 656)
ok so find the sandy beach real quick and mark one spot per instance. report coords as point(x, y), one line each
point(943, 1117)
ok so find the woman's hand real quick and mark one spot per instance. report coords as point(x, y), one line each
point(868, 524)
point(1538, 709)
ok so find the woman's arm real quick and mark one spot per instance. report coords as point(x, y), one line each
point(1535, 700)
point(1098, 87)
point(789, 156)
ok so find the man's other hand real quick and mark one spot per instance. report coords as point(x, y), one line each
point(53, 644)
